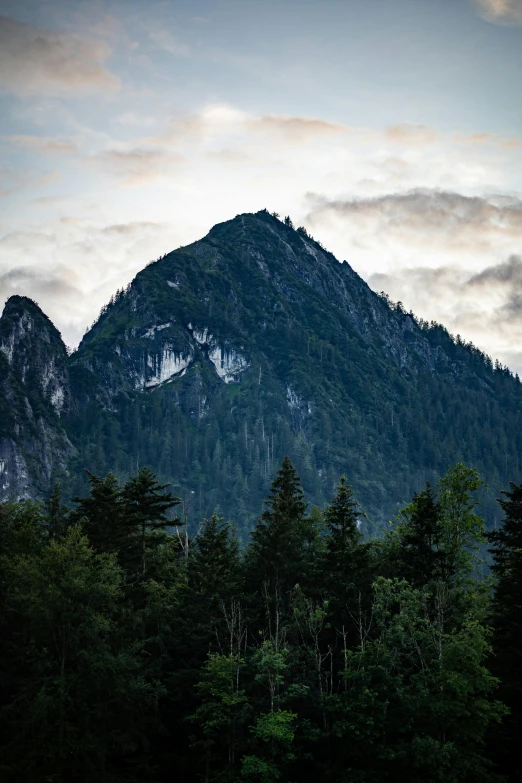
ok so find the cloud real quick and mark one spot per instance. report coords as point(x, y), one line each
point(438, 215)
point(76, 265)
point(487, 305)
point(507, 273)
point(501, 11)
point(448, 257)
point(32, 280)
point(409, 133)
point(16, 181)
point(35, 60)
point(137, 166)
point(163, 39)
point(507, 277)
point(297, 128)
point(43, 144)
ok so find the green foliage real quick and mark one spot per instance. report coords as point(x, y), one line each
point(277, 548)
point(220, 714)
point(79, 691)
point(312, 654)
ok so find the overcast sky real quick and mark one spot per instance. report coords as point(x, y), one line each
point(391, 129)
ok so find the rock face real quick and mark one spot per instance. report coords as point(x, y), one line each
point(35, 399)
point(223, 356)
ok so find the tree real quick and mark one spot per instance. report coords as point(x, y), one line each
point(145, 507)
point(276, 554)
point(273, 731)
point(462, 528)
point(506, 550)
point(81, 697)
point(347, 572)
point(419, 698)
point(342, 541)
point(57, 513)
point(214, 563)
point(420, 539)
point(220, 716)
point(101, 514)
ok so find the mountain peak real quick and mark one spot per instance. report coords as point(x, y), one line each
point(21, 313)
point(252, 343)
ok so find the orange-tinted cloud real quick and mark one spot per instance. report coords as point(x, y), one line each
point(501, 11)
point(34, 60)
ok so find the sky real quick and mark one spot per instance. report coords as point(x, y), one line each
point(390, 129)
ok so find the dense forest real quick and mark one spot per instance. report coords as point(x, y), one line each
point(133, 651)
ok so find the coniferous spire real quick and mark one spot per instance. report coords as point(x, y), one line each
point(277, 541)
point(146, 506)
point(341, 517)
point(420, 552)
point(101, 513)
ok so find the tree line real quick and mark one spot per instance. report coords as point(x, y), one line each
point(135, 652)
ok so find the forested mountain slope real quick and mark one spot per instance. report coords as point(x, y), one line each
point(252, 343)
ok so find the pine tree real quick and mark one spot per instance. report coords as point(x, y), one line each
point(57, 513)
point(276, 554)
point(506, 550)
point(347, 575)
point(101, 514)
point(214, 568)
point(419, 552)
point(145, 507)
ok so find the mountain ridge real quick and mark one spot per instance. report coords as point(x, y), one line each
point(253, 342)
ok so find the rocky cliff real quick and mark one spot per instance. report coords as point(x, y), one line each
point(251, 343)
point(35, 398)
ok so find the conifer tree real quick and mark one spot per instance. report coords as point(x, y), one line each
point(506, 550)
point(56, 513)
point(213, 568)
point(101, 514)
point(145, 507)
point(277, 548)
point(347, 573)
point(419, 553)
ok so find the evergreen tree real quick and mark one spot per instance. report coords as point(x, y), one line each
point(81, 700)
point(276, 553)
point(341, 559)
point(214, 563)
point(506, 550)
point(145, 507)
point(347, 572)
point(101, 514)
point(57, 513)
point(419, 551)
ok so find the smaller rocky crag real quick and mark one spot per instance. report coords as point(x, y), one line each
point(35, 398)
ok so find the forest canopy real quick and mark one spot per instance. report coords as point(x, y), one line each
point(135, 652)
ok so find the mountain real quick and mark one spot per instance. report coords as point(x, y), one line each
point(34, 397)
point(225, 355)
